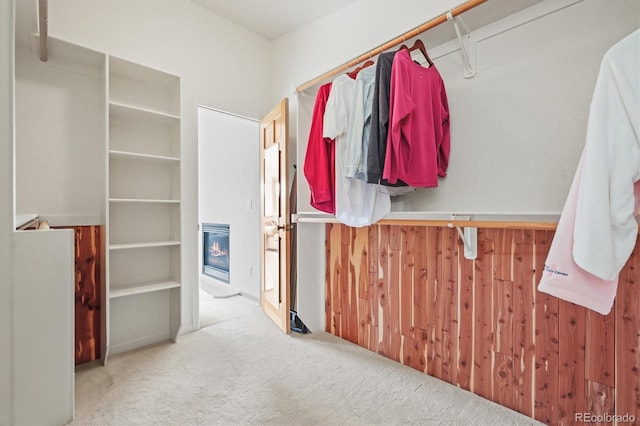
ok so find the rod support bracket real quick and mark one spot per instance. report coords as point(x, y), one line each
point(468, 235)
point(468, 45)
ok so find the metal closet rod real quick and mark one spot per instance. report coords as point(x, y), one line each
point(393, 43)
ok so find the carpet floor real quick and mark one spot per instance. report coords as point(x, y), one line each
point(241, 370)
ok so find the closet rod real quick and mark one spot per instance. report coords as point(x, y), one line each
point(393, 43)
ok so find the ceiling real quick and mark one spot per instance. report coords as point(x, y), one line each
point(272, 18)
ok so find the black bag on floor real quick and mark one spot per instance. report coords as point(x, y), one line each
point(296, 323)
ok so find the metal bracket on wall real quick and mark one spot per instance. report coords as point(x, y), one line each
point(469, 237)
point(468, 45)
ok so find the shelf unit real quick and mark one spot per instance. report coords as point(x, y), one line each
point(144, 206)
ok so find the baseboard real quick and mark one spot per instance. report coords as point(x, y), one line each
point(217, 289)
point(186, 329)
point(139, 342)
point(251, 297)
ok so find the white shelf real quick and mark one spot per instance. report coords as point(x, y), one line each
point(142, 200)
point(544, 217)
point(143, 180)
point(140, 156)
point(147, 244)
point(22, 219)
point(138, 113)
point(143, 131)
point(122, 290)
point(135, 84)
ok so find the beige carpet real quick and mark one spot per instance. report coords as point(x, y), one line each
point(214, 309)
point(242, 370)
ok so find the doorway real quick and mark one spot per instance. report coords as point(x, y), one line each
point(228, 198)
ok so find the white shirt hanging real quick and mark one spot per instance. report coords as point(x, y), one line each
point(357, 203)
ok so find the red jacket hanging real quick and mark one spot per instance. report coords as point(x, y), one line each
point(319, 161)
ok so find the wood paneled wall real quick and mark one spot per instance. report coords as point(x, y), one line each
point(408, 293)
point(87, 293)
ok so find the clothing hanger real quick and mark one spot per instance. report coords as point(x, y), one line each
point(418, 45)
point(354, 73)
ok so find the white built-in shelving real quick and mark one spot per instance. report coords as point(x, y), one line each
point(115, 145)
point(144, 205)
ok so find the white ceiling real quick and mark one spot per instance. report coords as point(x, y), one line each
point(272, 18)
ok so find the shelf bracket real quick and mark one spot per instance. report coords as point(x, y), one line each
point(468, 235)
point(468, 45)
point(43, 19)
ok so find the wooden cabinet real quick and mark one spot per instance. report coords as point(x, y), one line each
point(144, 206)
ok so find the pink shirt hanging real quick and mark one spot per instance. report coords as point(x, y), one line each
point(418, 141)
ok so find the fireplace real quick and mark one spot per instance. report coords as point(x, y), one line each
point(215, 255)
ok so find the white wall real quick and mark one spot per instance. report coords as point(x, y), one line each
point(6, 207)
point(513, 135)
point(59, 139)
point(229, 165)
point(222, 66)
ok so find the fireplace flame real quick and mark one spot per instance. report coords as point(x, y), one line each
point(215, 251)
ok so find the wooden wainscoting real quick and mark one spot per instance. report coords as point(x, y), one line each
point(408, 293)
point(87, 293)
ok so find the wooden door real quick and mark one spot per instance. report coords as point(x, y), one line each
point(275, 214)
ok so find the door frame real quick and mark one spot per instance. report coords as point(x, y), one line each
point(202, 103)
